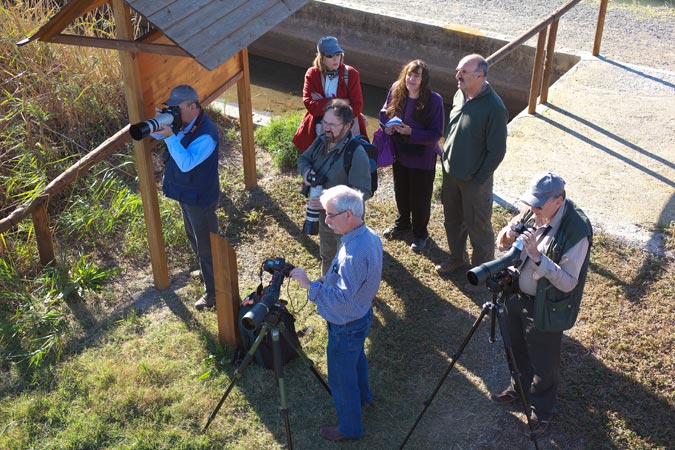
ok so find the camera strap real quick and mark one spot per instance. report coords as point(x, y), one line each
point(332, 160)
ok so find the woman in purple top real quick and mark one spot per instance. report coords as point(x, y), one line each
point(415, 137)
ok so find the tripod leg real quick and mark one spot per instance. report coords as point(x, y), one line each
point(308, 362)
point(239, 371)
point(513, 367)
point(279, 370)
point(455, 357)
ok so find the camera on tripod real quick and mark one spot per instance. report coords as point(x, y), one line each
point(269, 296)
point(314, 190)
point(168, 116)
point(495, 267)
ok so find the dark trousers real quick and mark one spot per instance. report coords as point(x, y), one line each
point(412, 190)
point(537, 356)
point(467, 211)
point(200, 222)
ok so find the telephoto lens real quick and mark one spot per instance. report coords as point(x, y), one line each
point(311, 225)
point(169, 117)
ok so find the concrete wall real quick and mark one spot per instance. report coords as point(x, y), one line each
point(378, 46)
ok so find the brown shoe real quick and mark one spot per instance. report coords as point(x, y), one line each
point(504, 397)
point(333, 434)
point(205, 302)
point(539, 428)
point(449, 267)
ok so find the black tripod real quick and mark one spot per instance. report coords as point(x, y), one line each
point(271, 323)
point(496, 307)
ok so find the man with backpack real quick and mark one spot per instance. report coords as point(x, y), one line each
point(324, 164)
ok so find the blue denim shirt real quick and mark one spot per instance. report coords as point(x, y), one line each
point(349, 287)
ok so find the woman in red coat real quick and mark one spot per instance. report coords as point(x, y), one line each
point(328, 78)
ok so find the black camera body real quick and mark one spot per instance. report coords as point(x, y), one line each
point(314, 180)
point(277, 265)
point(168, 116)
point(268, 298)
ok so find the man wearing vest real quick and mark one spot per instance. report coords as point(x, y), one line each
point(191, 178)
point(552, 267)
point(325, 159)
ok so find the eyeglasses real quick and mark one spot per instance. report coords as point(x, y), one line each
point(331, 125)
point(332, 216)
point(464, 72)
point(331, 56)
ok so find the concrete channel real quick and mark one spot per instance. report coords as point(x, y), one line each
point(379, 45)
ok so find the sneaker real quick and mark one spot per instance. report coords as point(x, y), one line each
point(420, 244)
point(205, 302)
point(504, 397)
point(395, 233)
point(449, 267)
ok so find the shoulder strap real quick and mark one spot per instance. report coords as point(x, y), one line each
point(350, 148)
point(345, 76)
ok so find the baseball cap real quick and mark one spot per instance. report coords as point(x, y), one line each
point(180, 94)
point(328, 45)
point(542, 188)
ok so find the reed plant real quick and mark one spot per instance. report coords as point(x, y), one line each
point(58, 103)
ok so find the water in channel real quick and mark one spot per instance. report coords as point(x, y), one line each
point(276, 88)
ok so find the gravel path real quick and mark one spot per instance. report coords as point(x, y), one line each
point(644, 35)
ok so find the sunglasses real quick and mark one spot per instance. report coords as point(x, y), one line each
point(330, 56)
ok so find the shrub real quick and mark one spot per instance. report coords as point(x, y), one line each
point(277, 139)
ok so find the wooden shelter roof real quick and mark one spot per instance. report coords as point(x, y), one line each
point(210, 31)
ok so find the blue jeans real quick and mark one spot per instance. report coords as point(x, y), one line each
point(200, 222)
point(348, 373)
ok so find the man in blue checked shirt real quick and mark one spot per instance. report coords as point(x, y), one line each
point(191, 178)
point(344, 298)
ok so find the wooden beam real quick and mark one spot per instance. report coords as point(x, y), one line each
point(142, 149)
point(43, 234)
point(600, 27)
point(227, 290)
point(548, 65)
point(66, 15)
point(67, 177)
point(119, 44)
point(537, 66)
point(246, 123)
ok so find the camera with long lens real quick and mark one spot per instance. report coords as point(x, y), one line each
point(311, 225)
point(168, 116)
point(493, 268)
point(269, 297)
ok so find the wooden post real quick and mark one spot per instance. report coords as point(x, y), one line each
point(600, 27)
point(142, 150)
point(535, 83)
point(43, 233)
point(227, 290)
point(548, 66)
point(246, 123)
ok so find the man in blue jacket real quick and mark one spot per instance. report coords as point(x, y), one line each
point(191, 178)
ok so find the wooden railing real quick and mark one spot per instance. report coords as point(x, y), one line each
point(38, 207)
point(545, 51)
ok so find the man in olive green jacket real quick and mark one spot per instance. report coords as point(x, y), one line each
point(474, 146)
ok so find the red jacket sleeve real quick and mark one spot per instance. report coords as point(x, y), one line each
point(313, 84)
